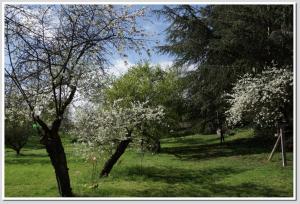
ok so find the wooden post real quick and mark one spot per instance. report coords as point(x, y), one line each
point(281, 137)
point(274, 148)
point(277, 141)
point(283, 153)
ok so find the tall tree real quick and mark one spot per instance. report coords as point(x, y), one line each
point(52, 50)
point(254, 35)
point(224, 42)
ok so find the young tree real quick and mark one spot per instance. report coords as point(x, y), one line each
point(144, 82)
point(115, 127)
point(17, 134)
point(51, 51)
point(263, 99)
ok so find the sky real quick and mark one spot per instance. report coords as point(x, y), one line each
point(155, 27)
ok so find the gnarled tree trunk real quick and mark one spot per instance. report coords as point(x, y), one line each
point(56, 152)
point(114, 158)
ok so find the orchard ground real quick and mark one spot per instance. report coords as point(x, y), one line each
point(189, 166)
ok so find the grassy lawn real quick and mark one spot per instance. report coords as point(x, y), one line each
point(191, 166)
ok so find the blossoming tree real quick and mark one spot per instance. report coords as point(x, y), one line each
point(51, 51)
point(102, 129)
point(145, 82)
point(263, 99)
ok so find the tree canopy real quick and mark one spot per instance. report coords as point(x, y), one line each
point(223, 42)
point(264, 99)
point(152, 84)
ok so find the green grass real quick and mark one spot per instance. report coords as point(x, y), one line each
point(191, 166)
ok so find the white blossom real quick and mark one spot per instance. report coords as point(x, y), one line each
point(100, 129)
point(261, 97)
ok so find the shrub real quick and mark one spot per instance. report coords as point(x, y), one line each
point(17, 134)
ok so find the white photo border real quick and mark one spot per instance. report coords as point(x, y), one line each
point(135, 2)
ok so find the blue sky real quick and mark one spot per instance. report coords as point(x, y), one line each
point(155, 27)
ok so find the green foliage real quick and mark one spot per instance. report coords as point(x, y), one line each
point(18, 124)
point(251, 35)
point(144, 82)
point(224, 42)
point(205, 87)
point(17, 134)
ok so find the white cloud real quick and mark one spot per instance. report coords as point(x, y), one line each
point(165, 64)
point(119, 67)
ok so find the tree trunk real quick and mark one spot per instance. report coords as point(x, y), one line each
point(18, 152)
point(58, 159)
point(114, 158)
point(222, 137)
point(158, 147)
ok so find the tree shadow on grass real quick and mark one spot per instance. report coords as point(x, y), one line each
point(34, 143)
point(191, 140)
point(219, 190)
point(244, 146)
point(200, 183)
point(179, 182)
point(28, 159)
point(212, 190)
point(171, 175)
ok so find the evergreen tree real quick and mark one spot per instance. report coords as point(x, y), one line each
point(224, 42)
